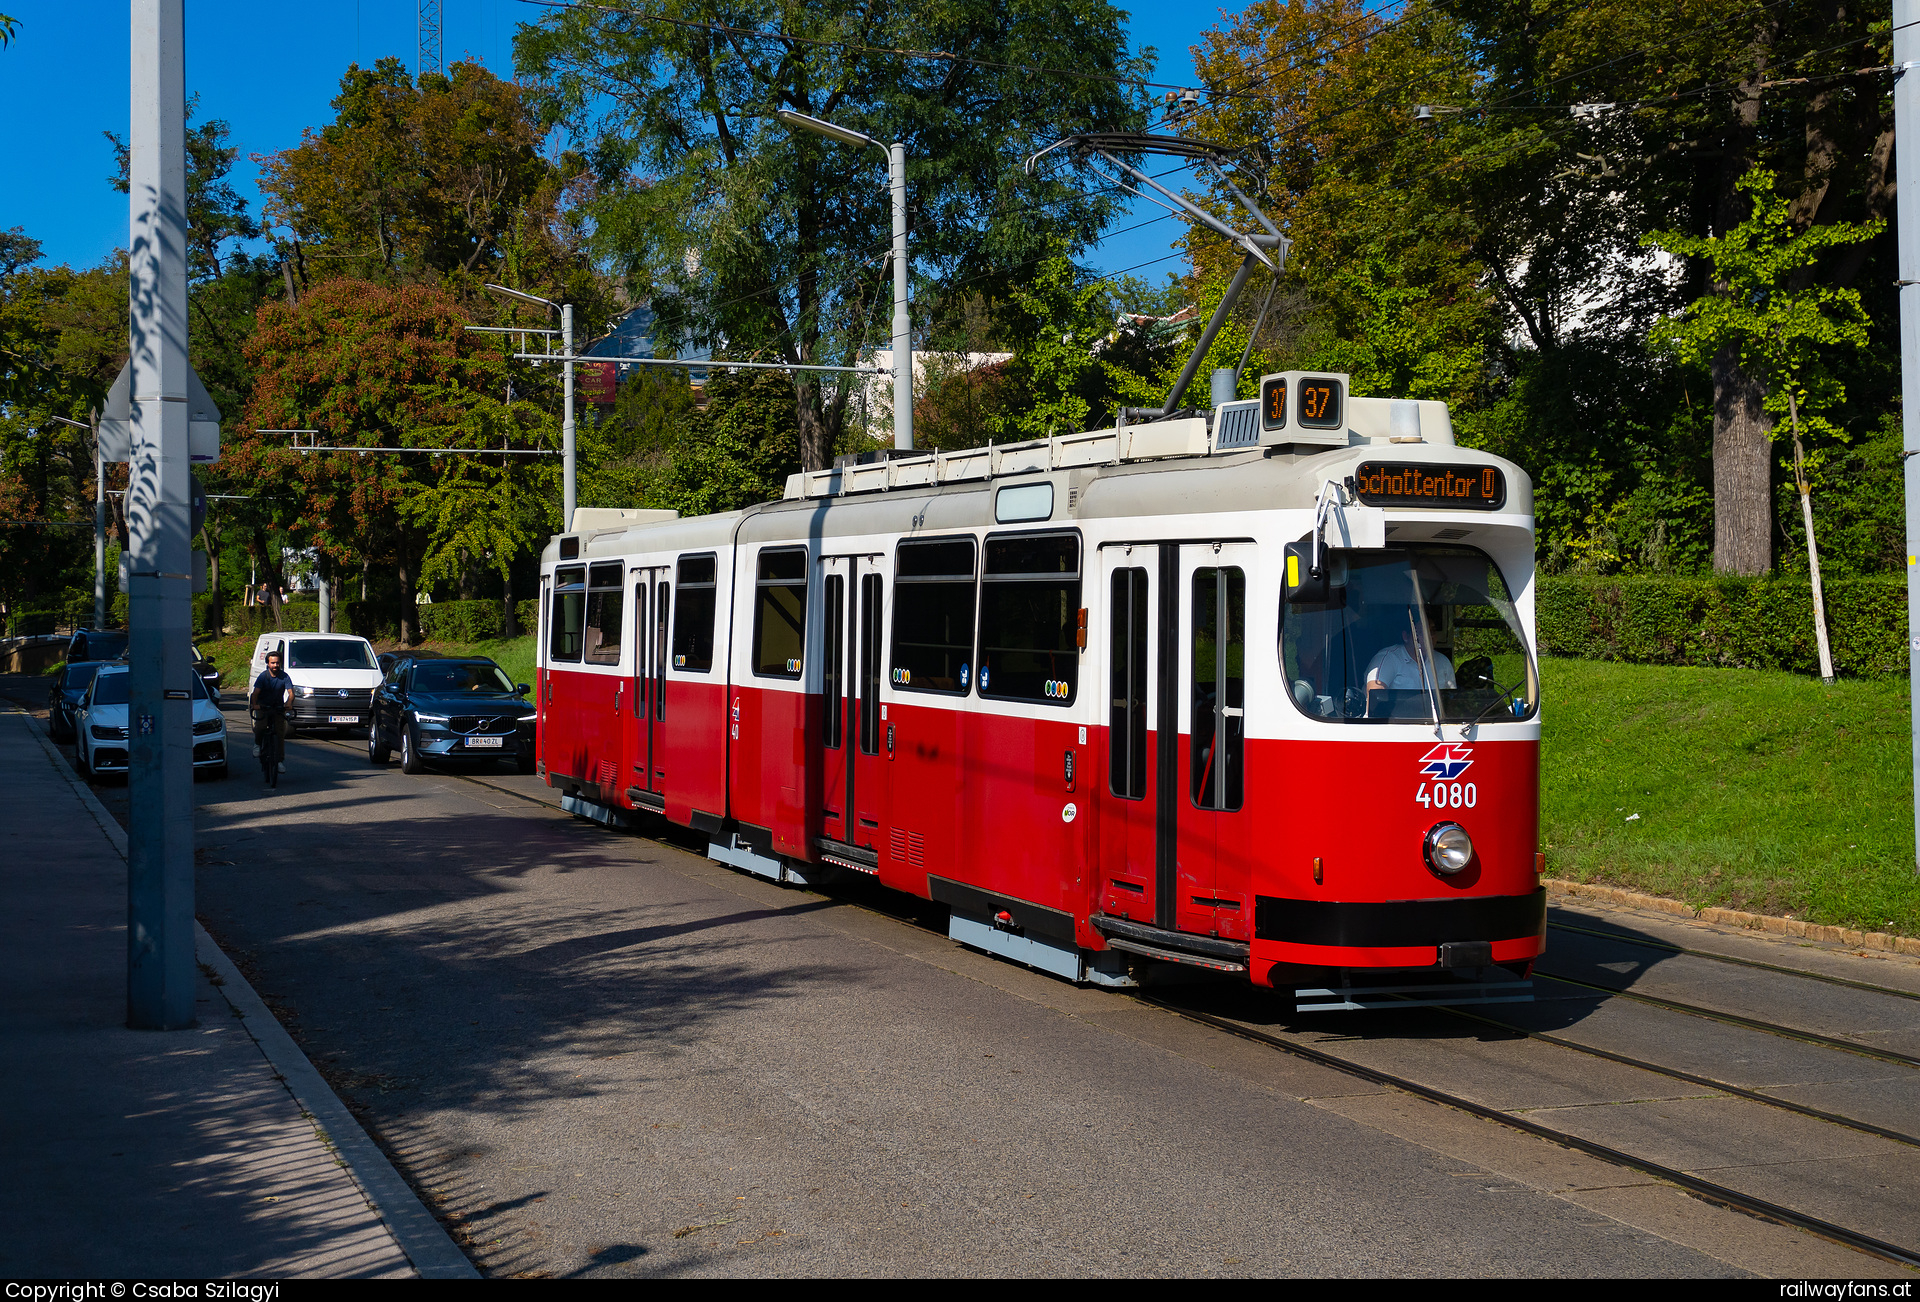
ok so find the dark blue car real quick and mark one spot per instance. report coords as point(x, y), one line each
point(63, 698)
point(464, 709)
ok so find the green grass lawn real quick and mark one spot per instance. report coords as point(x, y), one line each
point(1762, 791)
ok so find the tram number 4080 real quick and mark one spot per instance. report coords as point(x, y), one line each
point(1446, 795)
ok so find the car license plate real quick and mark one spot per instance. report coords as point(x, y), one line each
point(343, 718)
point(484, 741)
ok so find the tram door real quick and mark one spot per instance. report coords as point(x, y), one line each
point(1135, 856)
point(851, 740)
point(1213, 844)
point(832, 761)
point(651, 602)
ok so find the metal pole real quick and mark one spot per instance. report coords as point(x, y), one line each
point(1906, 130)
point(99, 532)
point(1234, 286)
point(902, 318)
point(160, 970)
point(325, 585)
point(566, 424)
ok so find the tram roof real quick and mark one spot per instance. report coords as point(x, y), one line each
point(1167, 468)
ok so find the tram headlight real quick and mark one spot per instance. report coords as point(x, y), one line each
point(1448, 848)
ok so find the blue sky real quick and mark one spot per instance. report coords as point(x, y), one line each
point(271, 69)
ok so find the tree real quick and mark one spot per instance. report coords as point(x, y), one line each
point(1383, 279)
point(437, 182)
point(1768, 315)
point(774, 242)
point(1684, 98)
point(376, 367)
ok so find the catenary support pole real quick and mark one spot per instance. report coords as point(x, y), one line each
point(566, 422)
point(99, 531)
point(160, 968)
point(1906, 133)
point(325, 584)
point(902, 317)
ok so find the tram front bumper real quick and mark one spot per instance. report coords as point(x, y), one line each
point(1450, 932)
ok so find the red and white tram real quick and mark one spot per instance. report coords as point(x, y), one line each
point(1251, 691)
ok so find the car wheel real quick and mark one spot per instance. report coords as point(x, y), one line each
point(376, 753)
point(80, 760)
point(409, 756)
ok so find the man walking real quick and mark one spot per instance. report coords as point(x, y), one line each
point(269, 701)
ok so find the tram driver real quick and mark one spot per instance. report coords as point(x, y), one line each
point(1400, 667)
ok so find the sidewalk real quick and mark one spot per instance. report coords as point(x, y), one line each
point(141, 1154)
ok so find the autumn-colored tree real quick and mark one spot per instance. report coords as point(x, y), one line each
point(375, 367)
point(1382, 280)
point(439, 181)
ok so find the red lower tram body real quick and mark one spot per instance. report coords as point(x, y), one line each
point(1015, 823)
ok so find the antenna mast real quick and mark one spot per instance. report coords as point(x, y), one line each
point(431, 47)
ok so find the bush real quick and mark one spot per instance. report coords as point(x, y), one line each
point(461, 621)
point(36, 620)
point(1725, 622)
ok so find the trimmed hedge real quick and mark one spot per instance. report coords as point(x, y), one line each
point(1725, 622)
point(462, 621)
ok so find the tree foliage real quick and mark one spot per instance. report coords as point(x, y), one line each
point(775, 242)
point(439, 181)
point(374, 367)
point(1489, 249)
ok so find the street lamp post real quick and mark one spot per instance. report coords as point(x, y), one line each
point(566, 422)
point(99, 525)
point(902, 320)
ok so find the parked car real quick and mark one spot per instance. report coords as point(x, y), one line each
point(63, 698)
point(100, 726)
point(209, 673)
point(333, 674)
point(458, 709)
point(96, 644)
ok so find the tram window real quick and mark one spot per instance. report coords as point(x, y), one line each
point(1402, 627)
point(569, 610)
point(933, 600)
point(605, 605)
point(1218, 687)
point(693, 615)
point(780, 612)
point(1127, 672)
point(1029, 619)
point(833, 600)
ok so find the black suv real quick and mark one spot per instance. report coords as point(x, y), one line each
point(96, 644)
point(451, 709)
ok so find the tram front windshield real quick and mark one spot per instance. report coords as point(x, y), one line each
point(1417, 634)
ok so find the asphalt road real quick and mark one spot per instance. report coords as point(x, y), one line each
point(597, 1054)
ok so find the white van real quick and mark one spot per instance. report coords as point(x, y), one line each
point(333, 674)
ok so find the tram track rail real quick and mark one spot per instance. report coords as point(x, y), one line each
point(1692, 1078)
point(1735, 1019)
point(1707, 1190)
point(1627, 938)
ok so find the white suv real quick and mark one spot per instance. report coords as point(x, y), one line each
point(333, 674)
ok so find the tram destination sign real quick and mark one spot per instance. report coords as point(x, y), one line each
point(1454, 488)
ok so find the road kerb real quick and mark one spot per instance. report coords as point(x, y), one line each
point(1796, 927)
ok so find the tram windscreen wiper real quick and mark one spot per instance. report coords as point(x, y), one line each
point(1423, 643)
